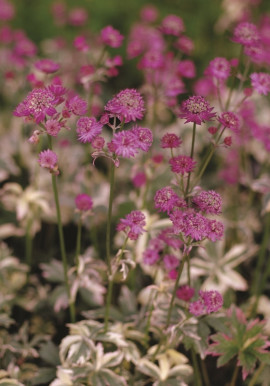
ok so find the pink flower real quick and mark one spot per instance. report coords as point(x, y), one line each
point(80, 44)
point(124, 144)
point(197, 308)
point(139, 180)
point(7, 10)
point(77, 105)
point(172, 25)
point(170, 141)
point(38, 103)
point(144, 137)
point(182, 164)
point(246, 34)
point(152, 59)
point(150, 256)
point(48, 159)
point(230, 120)
point(83, 202)
point(190, 223)
point(111, 37)
point(169, 238)
point(196, 109)
point(219, 68)
point(215, 230)
point(47, 66)
point(185, 293)
point(132, 224)
point(149, 13)
point(260, 81)
point(127, 105)
point(52, 127)
point(185, 44)
point(208, 202)
point(186, 68)
point(88, 129)
point(78, 16)
point(170, 262)
point(98, 143)
point(212, 300)
point(166, 199)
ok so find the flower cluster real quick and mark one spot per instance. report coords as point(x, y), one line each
point(209, 301)
point(132, 224)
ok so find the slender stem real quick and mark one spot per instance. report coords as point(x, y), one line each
point(257, 374)
point(108, 247)
point(191, 155)
point(180, 270)
point(204, 373)
point(28, 243)
point(235, 375)
point(78, 242)
point(197, 377)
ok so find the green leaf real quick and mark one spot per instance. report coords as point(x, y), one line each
point(107, 377)
point(49, 353)
point(45, 375)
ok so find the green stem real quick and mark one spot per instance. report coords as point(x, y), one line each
point(204, 373)
point(257, 374)
point(180, 270)
point(235, 375)
point(108, 247)
point(28, 243)
point(191, 155)
point(197, 377)
point(78, 242)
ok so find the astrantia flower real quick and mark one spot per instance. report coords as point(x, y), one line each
point(219, 68)
point(111, 37)
point(208, 202)
point(53, 127)
point(260, 81)
point(144, 137)
point(83, 202)
point(48, 159)
point(170, 262)
point(166, 199)
point(88, 129)
point(47, 66)
point(185, 292)
point(170, 141)
point(124, 144)
point(186, 68)
point(77, 105)
point(182, 164)
point(150, 256)
point(132, 224)
point(197, 110)
point(230, 120)
point(172, 25)
point(212, 300)
point(153, 59)
point(139, 179)
point(215, 230)
point(197, 308)
point(127, 105)
point(38, 103)
point(190, 223)
point(246, 34)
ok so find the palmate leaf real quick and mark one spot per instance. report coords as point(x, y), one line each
point(107, 377)
point(225, 358)
point(76, 349)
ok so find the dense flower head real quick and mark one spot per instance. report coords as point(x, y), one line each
point(81, 44)
point(149, 13)
point(127, 105)
point(185, 292)
point(124, 144)
point(190, 223)
point(153, 59)
point(83, 202)
point(182, 164)
point(170, 262)
point(139, 179)
point(212, 300)
point(37, 104)
point(88, 129)
point(98, 143)
point(230, 120)
point(144, 38)
point(246, 34)
point(132, 224)
point(78, 16)
point(150, 256)
point(48, 66)
point(219, 68)
point(172, 25)
point(168, 237)
point(53, 127)
point(144, 137)
point(215, 230)
point(196, 109)
point(257, 54)
point(166, 199)
point(48, 159)
point(197, 308)
point(76, 105)
point(170, 141)
point(111, 37)
point(7, 10)
point(260, 81)
point(186, 68)
point(184, 44)
point(208, 202)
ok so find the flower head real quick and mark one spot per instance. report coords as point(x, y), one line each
point(53, 127)
point(182, 164)
point(172, 25)
point(132, 224)
point(246, 34)
point(48, 159)
point(190, 224)
point(111, 37)
point(88, 129)
point(47, 66)
point(260, 81)
point(215, 230)
point(212, 300)
point(144, 137)
point(196, 109)
point(185, 292)
point(208, 202)
point(83, 202)
point(170, 262)
point(150, 256)
point(77, 105)
point(230, 120)
point(166, 199)
point(170, 141)
point(124, 144)
point(219, 68)
point(127, 105)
